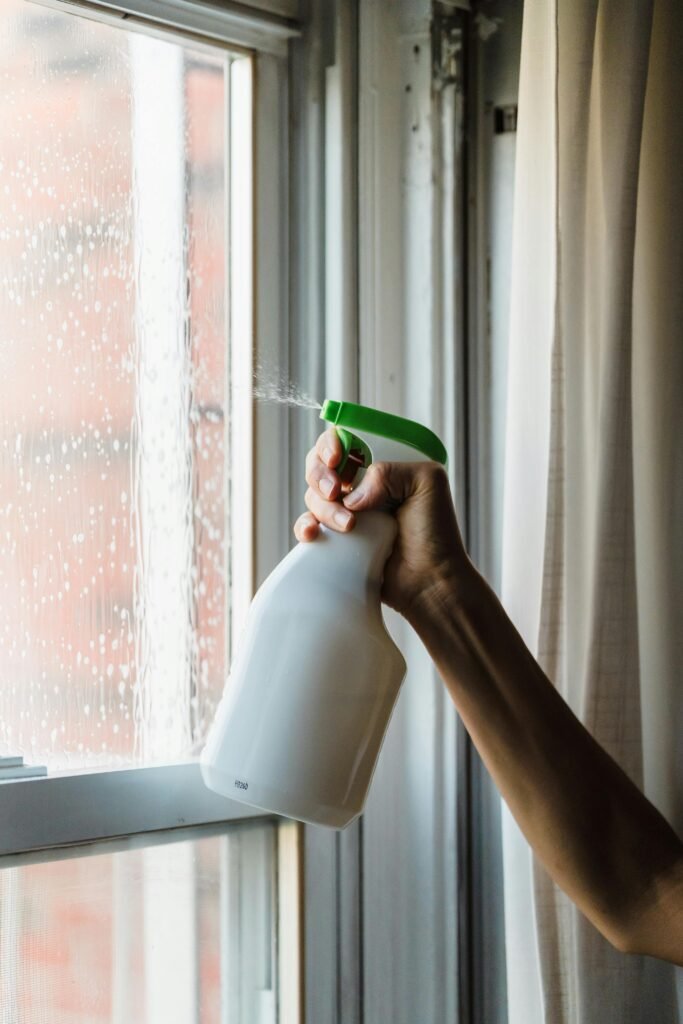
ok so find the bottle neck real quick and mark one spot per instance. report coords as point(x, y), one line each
point(359, 557)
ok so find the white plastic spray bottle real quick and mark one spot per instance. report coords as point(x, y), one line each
point(316, 676)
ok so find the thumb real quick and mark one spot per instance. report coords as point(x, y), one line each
point(384, 483)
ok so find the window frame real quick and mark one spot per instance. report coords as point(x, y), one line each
point(252, 27)
point(410, 308)
point(72, 808)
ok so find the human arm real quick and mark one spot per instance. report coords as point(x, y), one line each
point(599, 838)
point(595, 833)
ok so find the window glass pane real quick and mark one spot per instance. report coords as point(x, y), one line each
point(179, 933)
point(113, 390)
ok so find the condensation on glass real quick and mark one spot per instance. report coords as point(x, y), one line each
point(114, 378)
point(182, 933)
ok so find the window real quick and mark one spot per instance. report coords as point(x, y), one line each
point(142, 935)
point(115, 604)
point(132, 194)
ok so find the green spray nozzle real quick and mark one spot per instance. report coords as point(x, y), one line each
point(348, 418)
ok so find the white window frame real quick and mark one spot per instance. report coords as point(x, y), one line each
point(355, 306)
point(402, 302)
point(263, 27)
point(79, 807)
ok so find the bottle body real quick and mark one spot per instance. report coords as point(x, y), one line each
point(314, 682)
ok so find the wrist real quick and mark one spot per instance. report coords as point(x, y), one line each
point(447, 595)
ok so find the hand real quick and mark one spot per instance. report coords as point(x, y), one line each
point(428, 554)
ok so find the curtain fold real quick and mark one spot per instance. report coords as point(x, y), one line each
point(594, 481)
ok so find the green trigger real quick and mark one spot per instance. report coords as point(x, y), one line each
point(356, 455)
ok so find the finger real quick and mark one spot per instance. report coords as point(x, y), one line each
point(330, 513)
point(323, 480)
point(385, 484)
point(329, 448)
point(306, 527)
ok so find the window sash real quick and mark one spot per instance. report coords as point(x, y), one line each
point(72, 808)
point(229, 25)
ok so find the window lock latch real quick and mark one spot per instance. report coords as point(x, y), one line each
point(14, 768)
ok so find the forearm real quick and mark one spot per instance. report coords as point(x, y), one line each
point(595, 833)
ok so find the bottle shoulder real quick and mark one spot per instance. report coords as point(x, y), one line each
point(335, 580)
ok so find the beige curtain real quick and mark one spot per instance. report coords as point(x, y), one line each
point(593, 519)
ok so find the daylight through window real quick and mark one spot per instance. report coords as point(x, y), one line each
point(115, 378)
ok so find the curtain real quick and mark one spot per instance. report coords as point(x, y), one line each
point(593, 509)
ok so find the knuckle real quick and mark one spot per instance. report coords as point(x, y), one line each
point(384, 479)
point(380, 471)
point(314, 468)
point(325, 440)
point(320, 444)
point(434, 474)
point(315, 503)
point(328, 448)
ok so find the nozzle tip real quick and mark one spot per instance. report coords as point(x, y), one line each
point(330, 410)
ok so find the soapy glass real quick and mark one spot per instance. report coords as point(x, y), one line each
point(114, 412)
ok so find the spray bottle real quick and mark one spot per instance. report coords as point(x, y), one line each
point(316, 675)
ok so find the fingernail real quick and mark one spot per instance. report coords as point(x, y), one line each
point(327, 455)
point(353, 498)
point(326, 486)
point(342, 517)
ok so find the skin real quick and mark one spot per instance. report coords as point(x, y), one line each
point(596, 834)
